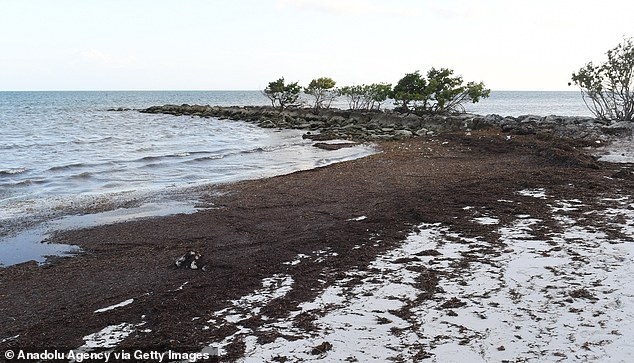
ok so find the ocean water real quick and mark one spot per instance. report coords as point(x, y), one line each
point(62, 153)
point(517, 103)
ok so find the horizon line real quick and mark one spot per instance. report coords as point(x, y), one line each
point(222, 90)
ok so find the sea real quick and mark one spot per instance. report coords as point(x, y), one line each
point(67, 160)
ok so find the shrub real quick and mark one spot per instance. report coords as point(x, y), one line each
point(366, 97)
point(409, 91)
point(377, 93)
point(607, 89)
point(282, 95)
point(355, 97)
point(441, 92)
point(323, 91)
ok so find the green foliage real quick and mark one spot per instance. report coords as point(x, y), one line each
point(440, 92)
point(366, 97)
point(323, 91)
point(409, 90)
point(355, 96)
point(378, 93)
point(282, 95)
point(608, 89)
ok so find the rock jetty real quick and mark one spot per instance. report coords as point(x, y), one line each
point(363, 126)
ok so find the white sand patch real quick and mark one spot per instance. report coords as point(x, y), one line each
point(555, 301)
point(182, 286)
point(456, 353)
point(557, 289)
point(273, 287)
point(564, 294)
point(323, 255)
point(108, 337)
point(621, 218)
point(357, 219)
point(520, 229)
point(535, 193)
point(298, 259)
point(248, 306)
point(566, 205)
point(621, 151)
point(4, 340)
point(359, 322)
point(621, 200)
point(486, 220)
point(112, 307)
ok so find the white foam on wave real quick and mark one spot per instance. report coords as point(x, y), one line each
point(13, 171)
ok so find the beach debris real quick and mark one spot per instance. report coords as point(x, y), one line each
point(193, 261)
point(334, 146)
point(112, 307)
point(321, 348)
point(357, 219)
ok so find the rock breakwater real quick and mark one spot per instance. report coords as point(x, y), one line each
point(389, 125)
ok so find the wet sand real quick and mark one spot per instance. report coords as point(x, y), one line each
point(253, 230)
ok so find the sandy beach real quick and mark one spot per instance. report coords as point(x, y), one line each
point(482, 245)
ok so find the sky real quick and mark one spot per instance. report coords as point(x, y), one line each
point(244, 44)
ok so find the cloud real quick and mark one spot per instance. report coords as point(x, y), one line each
point(347, 7)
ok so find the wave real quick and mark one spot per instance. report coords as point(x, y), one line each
point(24, 183)
point(210, 157)
point(80, 165)
point(112, 185)
point(150, 158)
point(268, 149)
point(184, 154)
point(159, 157)
point(13, 171)
point(93, 141)
point(228, 153)
point(152, 165)
point(32, 145)
point(84, 175)
point(9, 146)
point(66, 167)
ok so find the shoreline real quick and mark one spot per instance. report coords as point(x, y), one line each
point(256, 229)
point(47, 213)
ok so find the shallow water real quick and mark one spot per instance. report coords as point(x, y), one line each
point(65, 152)
point(62, 148)
point(27, 244)
point(621, 151)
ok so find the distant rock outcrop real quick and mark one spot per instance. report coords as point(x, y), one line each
point(362, 126)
